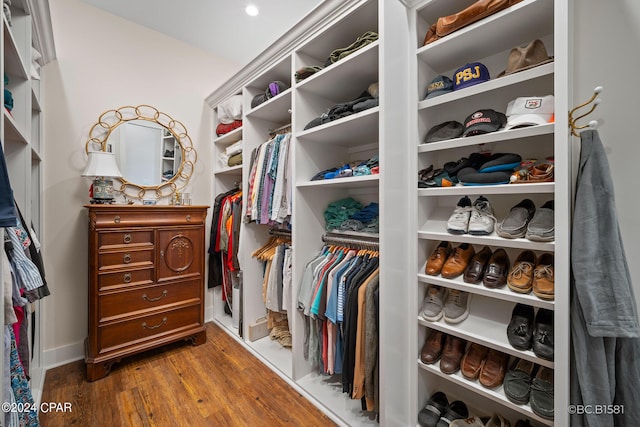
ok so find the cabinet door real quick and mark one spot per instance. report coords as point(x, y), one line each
point(180, 253)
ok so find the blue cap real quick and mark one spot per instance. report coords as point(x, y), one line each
point(469, 75)
point(439, 86)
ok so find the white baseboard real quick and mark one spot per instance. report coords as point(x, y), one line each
point(62, 355)
point(37, 383)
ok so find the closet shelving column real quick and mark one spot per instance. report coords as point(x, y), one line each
point(486, 41)
point(332, 144)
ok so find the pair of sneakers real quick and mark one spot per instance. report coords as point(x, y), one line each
point(476, 219)
point(451, 304)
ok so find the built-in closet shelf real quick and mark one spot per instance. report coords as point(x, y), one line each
point(12, 131)
point(35, 100)
point(512, 135)
point(277, 355)
point(503, 293)
point(351, 131)
point(229, 137)
point(497, 394)
point(345, 76)
point(468, 190)
point(523, 22)
point(491, 333)
point(13, 62)
point(438, 231)
point(233, 170)
point(226, 321)
point(35, 155)
point(352, 182)
point(276, 109)
point(358, 234)
point(491, 85)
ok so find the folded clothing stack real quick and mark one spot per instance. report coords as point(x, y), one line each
point(355, 168)
point(8, 96)
point(477, 169)
point(341, 53)
point(367, 99)
point(274, 88)
point(349, 214)
point(232, 155)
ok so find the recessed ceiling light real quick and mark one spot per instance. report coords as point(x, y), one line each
point(251, 10)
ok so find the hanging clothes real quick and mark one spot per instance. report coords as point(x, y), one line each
point(604, 321)
point(215, 277)
point(7, 211)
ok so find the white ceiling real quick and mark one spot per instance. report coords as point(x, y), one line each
point(219, 26)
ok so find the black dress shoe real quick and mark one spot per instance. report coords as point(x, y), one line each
point(543, 334)
point(520, 329)
point(433, 410)
point(497, 270)
point(475, 270)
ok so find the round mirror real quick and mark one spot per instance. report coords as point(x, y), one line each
point(153, 151)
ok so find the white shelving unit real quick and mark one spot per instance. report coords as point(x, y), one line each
point(21, 136)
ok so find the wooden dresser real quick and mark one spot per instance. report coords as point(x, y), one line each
point(146, 280)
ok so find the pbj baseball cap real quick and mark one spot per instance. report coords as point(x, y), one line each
point(483, 121)
point(439, 86)
point(530, 111)
point(469, 75)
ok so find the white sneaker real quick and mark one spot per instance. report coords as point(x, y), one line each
point(482, 220)
point(433, 303)
point(456, 307)
point(458, 222)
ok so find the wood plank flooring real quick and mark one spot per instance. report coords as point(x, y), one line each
point(218, 383)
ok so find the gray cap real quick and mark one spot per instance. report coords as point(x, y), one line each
point(444, 131)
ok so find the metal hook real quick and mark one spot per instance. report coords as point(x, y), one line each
point(595, 101)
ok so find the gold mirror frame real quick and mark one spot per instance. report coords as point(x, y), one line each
point(111, 119)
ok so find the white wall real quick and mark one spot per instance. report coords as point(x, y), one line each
point(105, 62)
point(606, 37)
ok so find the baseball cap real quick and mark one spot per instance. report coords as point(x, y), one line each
point(529, 111)
point(444, 131)
point(483, 121)
point(469, 75)
point(439, 86)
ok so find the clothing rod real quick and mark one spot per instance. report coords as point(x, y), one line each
point(348, 241)
point(279, 232)
point(281, 129)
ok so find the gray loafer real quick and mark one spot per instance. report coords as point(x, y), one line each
point(541, 227)
point(541, 398)
point(514, 225)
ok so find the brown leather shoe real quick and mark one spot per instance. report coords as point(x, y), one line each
point(432, 348)
point(451, 354)
point(494, 369)
point(473, 360)
point(543, 282)
point(520, 277)
point(497, 270)
point(438, 258)
point(458, 261)
point(475, 270)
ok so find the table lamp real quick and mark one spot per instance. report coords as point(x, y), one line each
point(102, 166)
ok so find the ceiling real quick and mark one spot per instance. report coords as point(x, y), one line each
point(218, 26)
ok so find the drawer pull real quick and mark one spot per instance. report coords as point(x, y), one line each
point(126, 258)
point(127, 238)
point(146, 298)
point(127, 277)
point(116, 219)
point(145, 326)
point(188, 218)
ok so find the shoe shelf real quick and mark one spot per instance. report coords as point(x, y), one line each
point(487, 138)
point(233, 170)
point(230, 137)
point(503, 293)
point(341, 79)
point(522, 22)
point(350, 131)
point(349, 182)
point(276, 109)
point(490, 332)
point(468, 190)
point(496, 394)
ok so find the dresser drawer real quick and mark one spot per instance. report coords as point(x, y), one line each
point(117, 239)
point(157, 216)
point(144, 328)
point(127, 302)
point(111, 260)
point(120, 279)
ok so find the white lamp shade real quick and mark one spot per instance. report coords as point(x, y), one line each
point(102, 163)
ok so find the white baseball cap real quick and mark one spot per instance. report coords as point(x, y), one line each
point(530, 111)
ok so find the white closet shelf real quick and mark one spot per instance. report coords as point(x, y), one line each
point(277, 355)
point(275, 109)
point(353, 181)
point(233, 170)
point(12, 131)
point(229, 137)
point(503, 293)
point(491, 333)
point(35, 100)
point(348, 233)
point(35, 155)
point(346, 75)
point(491, 85)
point(504, 135)
point(497, 394)
point(351, 131)
point(226, 321)
point(462, 190)
point(13, 62)
point(523, 22)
